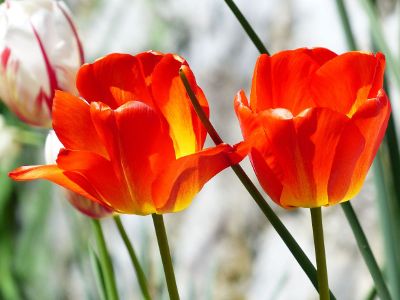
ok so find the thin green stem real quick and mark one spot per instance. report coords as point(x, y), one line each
point(371, 294)
point(165, 256)
point(280, 228)
point(366, 251)
point(379, 39)
point(135, 262)
point(105, 262)
point(247, 27)
point(344, 17)
point(318, 232)
point(387, 218)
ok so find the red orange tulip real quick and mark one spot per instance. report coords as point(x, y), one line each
point(133, 142)
point(314, 121)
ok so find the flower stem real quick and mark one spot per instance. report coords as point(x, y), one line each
point(247, 27)
point(379, 38)
point(135, 262)
point(165, 256)
point(318, 232)
point(366, 251)
point(105, 261)
point(280, 228)
point(344, 18)
point(388, 218)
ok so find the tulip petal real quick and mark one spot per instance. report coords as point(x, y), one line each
point(186, 130)
point(247, 119)
point(176, 186)
point(98, 171)
point(73, 124)
point(254, 136)
point(347, 81)
point(137, 140)
point(114, 79)
point(371, 119)
point(52, 173)
point(149, 60)
point(294, 67)
point(348, 151)
point(281, 152)
point(295, 150)
point(265, 174)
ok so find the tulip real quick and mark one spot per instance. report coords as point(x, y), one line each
point(40, 52)
point(314, 123)
point(133, 142)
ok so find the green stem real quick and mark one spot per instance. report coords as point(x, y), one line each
point(138, 269)
point(380, 41)
point(165, 256)
point(318, 232)
point(388, 219)
point(371, 294)
point(344, 17)
point(285, 235)
point(105, 261)
point(247, 27)
point(366, 251)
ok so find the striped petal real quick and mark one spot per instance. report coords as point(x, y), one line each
point(186, 130)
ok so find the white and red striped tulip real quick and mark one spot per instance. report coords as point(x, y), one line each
point(40, 51)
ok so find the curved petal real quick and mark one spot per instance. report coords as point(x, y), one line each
point(295, 149)
point(149, 60)
point(281, 152)
point(265, 174)
point(186, 130)
point(175, 186)
point(348, 152)
point(73, 124)
point(52, 173)
point(371, 119)
point(347, 81)
point(254, 136)
point(97, 171)
point(139, 146)
point(247, 118)
point(282, 80)
point(114, 79)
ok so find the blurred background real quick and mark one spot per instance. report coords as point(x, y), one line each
point(223, 247)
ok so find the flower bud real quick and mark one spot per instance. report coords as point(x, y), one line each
point(40, 52)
